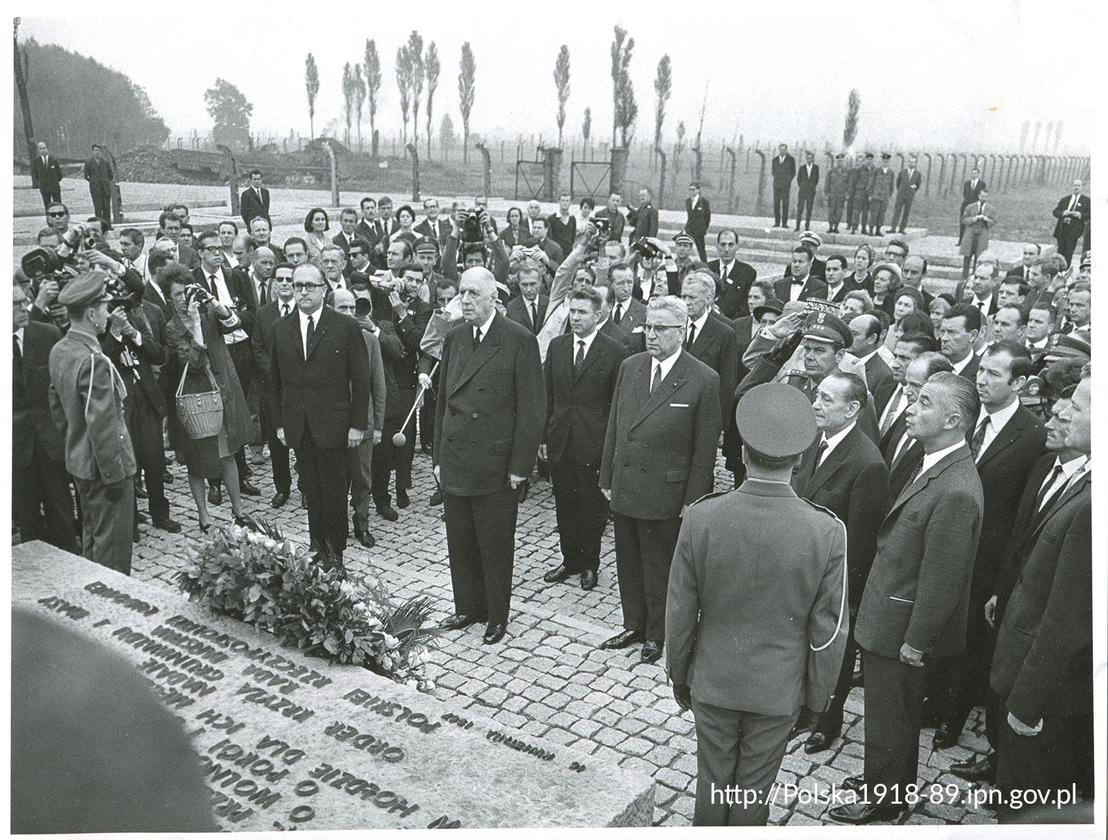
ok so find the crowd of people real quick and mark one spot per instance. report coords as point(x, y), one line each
point(910, 464)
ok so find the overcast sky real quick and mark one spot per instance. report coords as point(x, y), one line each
point(945, 72)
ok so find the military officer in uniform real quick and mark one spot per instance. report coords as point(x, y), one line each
point(86, 402)
point(755, 618)
point(858, 205)
point(881, 188)
point(837, 186)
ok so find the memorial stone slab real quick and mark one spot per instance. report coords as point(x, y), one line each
point(291, 741)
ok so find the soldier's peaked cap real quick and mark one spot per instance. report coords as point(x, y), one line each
point(776, 420)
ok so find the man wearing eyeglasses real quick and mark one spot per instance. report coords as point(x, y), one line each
point(434, 227)
point(57, 217)
point(659, 457)
point(319, 404)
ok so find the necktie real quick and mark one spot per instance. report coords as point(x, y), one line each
point(1045, 493)
point(619, 313)
point(534, 316)
point(1073, 203)
point(692, 336)
point(821, 450)
point(211, 283)
point(311, 332)
point(901, 447)
point(657, 380)
point(263, 296)
point(891, 410)
point(284, 309)
point(579, 359)
point(476, 337)
point(979, 437)
point(915, 474)
point(17, 357)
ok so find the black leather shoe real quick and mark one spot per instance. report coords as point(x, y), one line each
point(140, 492)
point(436, 498)
point(945, 737)
point(857, 679)
point(215, 495)
point(248, 489)
point(804, 723)
point(862, 813)
point(494, 633)
point(168, 524)
point(279, 499)
point(245, 522)
point(402, 500)
point(460, 621)
point(388, 512)
point(651, 651)
point(853, 783)
point(622, 640)
point(557, 575)
point(982, 769)
point(588, 579)
point(820, 741)
point(363, 536)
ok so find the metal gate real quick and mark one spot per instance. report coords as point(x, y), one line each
point(533, 175)
point(590, 178)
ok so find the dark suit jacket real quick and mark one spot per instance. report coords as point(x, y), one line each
point(731, 294)
point(634, 315)
point(900, 471)
point(804, 182)
point(250, 206)
point(972, 193)
point(643, 221)
point(812, 288)
point(1068, 225)
point(439, 234)
point(906, 182)
point(491, 408)
point(631, 342)
point(262, 340)
point(47, 176)
point(783, 171)
point(520, 312)
point(697, 218)
point(660, 448)
point(1027, 521)
point(879, 378)
point(325, 394)
point(242, 293)
point(31, 418)
point(918, 590)
point(151, 354)
point(715, 346)
point(1004, 467)
point(1043, 661)
point(578, 404)
point(853, 483)
point(970, 370)
point(98, 172)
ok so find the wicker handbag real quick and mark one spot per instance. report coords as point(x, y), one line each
point(202, 413)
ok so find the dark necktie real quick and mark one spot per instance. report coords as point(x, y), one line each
point(619, 313)
point(534, 316)
point(890, 414)
point(476, 338)
point(820, 450)
point(657, 380)
point(17, 358)
point(692, 336)
point(579, 359)
point(263, 294)
point(311, 332)
point(285, 308)
point(979, 437)
point(211, 284)
point(1045, 493)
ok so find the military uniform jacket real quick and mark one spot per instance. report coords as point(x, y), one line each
point(859, 181)
point(86, 401)
point(918, 589)
point(1043, 663)
point(881, 184)
point(838, 182)
point(660, 448)
point(756, 610)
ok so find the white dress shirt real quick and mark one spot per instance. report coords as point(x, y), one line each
point(666, 365)
point(699, 324)
point(484, 327)
point(1069, 469)
point(961, 366)
point(19, 339)
point(932, 458)
point(835, 440)
point(588, 339)
point(997, 421)
point(223, 295)
point(304, 326)
point(896, 398)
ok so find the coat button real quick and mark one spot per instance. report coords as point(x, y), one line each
point(474, 415)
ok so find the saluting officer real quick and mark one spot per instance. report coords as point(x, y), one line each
point(755, 622)
point(86, 402)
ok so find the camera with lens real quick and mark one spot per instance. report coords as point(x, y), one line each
point(196, 292)
point(646, 249)
point(471, 226)
point(603, 225)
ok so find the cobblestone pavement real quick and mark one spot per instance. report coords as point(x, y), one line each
point(548, 678)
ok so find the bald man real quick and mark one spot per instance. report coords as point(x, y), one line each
point(488, 424)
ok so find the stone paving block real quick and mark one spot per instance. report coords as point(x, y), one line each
point(674, 779)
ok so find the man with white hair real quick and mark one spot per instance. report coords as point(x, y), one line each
point(489, 420)
point(659, 457)
point(709, 338)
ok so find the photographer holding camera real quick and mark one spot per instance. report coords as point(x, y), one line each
point(87, 403)
point(474, 231)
